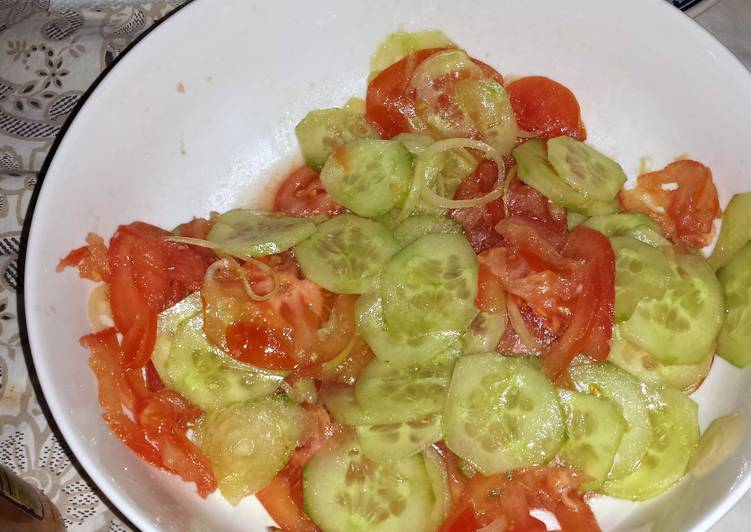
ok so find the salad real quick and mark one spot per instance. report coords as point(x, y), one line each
point(453, 316)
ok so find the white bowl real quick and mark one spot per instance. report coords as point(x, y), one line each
point(650, 82)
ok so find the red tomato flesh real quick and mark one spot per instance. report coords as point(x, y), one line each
point(546, 107)
point(687, 195)
point(302, 194)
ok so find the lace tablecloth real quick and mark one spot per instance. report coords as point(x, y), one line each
point(47, 61)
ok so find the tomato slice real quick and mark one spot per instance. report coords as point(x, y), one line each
point(506, 500)
point(290, 330)
point(490, 293)
point(302, 194)
point(546, 107)
point(280, 499)
point(682, 197)
point(91, 259)
point(535, 325)
point(591, 328)
point(479, 222)
point(520, 201)
point(158, 421)
point(115, 394)
point(149, 273)
point(567, 297)
point(547, 218)
point(138, 341)
point(387, 105)
point(532, 269)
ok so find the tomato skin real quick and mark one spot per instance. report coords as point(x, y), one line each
point(489, 71)
point(302, 194)
point(687, 195)
point(138, 341)
point(280, 499)
point(546, 107)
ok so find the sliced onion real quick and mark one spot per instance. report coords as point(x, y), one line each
point(98, 309)
point(439, 65)
point(415, 189)
point(517, 322)
point(451, 144)
point(230, 264)
point(528, 134)
point(192, 241)
point(506, 185)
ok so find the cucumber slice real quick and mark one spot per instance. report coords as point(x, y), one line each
point(483, 333)
point(430, 286)
point(326, 129)
point(443, 173)
point(407, 394)
point(609, 381)
point(620, 223)
point(401, 349)
point(595, 428)
point(341, 402)
point(488, 106)
point(735, 230)
point(414, 142)
point(395, 441)
point(680, 327)
point(246, 234)
point(676, 434)
point(534, 169)
point(649, 235)
point(645, 367)
point(585, 169)
point(640, 271)
point(346, 253)
point(344, 491)
point(502, 413)
point(369, 177)
point(166, 328)
point(399, 44)
point(249, 443)
point(734, 342)
point(439, 479)
point(208, 377)
point(574, 218)
point(416, 227)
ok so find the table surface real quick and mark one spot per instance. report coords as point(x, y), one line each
point(47, 60)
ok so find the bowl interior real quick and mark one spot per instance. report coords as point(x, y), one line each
point(651, 84)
